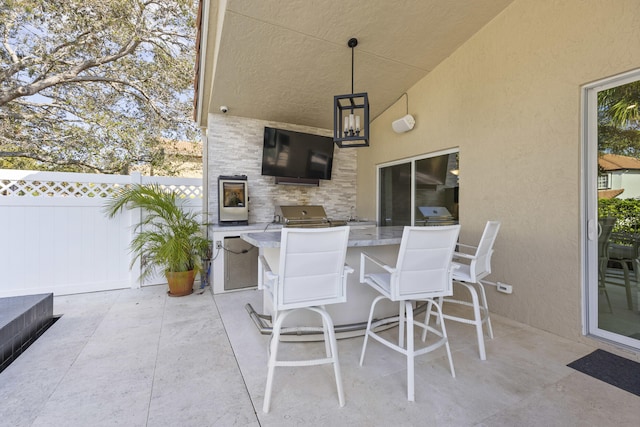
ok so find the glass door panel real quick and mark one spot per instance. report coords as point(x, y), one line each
point(613, 186)
point(395, 195)
point(436, 190)
point(420, 191)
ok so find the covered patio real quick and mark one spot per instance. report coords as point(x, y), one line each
point(507, 97)
point(136, 357)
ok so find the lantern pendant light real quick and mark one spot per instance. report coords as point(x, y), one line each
point(351, 114)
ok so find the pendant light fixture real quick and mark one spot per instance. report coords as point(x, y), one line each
point(351, 114)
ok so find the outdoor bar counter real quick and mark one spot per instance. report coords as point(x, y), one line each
point(350, 317)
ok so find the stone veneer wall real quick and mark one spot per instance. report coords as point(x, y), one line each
point(235, 148)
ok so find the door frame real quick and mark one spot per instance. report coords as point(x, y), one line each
point(589, 208)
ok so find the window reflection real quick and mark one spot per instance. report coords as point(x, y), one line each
point(434, 196)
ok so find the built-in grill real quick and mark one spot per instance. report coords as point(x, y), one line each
point(307, 216)
point(435, 215)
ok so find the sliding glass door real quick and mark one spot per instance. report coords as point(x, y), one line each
point(611, 128)
point(419, 191)
point(395, 194)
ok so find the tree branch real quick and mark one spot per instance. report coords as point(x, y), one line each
point(109, 85)
point(68, 76)
point(33, 156)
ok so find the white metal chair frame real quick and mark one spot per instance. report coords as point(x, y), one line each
point(423, 272)
point(472, 269)
point(624, 249)
point(312, 273)
point(605, 229)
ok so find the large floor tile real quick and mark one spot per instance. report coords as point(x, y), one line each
point(137, 357)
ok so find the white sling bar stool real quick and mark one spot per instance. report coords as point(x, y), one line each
point(472, 268)
point(423, 272)
point(312, 273)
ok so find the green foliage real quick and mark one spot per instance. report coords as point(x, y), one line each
point(627, 212)
point(95, 85)
point(625, 142)
point(621, 104)
point(619, 120)
point(168, 236)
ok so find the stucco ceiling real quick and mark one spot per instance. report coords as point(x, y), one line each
point(284, 60)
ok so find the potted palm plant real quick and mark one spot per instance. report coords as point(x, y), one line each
point(167, 236)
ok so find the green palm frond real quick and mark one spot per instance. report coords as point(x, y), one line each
point(167, 236)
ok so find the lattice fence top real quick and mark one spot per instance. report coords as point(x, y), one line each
point(185, 191)
point(33, 188)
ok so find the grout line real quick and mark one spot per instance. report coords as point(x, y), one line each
point(75, 359)
point(155, 363)
point(244, 382)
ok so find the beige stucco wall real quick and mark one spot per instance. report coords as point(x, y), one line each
point(509, 98)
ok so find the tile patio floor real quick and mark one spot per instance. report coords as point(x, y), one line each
point(140, 358)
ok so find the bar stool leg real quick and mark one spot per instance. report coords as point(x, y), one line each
point(408, 308)
point(483, 300)
point(325, 330)
point(330, 336)
point(446, 337)
point(401, 319)
point(478, 322)
point(366, 333)
point(273, 345)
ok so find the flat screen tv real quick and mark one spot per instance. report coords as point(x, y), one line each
point(292, 154)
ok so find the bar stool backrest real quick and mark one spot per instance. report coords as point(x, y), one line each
point(311, 270)
point(423, 269)
point(481, 266)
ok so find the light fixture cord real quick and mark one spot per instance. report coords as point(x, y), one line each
point(407, 95)
point(352, 67)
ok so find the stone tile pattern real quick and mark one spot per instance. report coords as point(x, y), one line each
point(134, 357)
point(524, 382)
point(235, 148)
point(22, 320)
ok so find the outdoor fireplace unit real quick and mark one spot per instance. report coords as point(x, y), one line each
point(233, 200)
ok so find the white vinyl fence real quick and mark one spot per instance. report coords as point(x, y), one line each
point(55, 236)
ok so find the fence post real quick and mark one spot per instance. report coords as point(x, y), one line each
point(135, 216)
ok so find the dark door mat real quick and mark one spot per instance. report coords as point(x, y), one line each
point(610, 368)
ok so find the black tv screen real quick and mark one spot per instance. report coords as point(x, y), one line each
point(296, 155)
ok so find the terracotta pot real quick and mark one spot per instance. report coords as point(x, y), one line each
point(180, 283)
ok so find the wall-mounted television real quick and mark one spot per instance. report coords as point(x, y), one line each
point(292, 154)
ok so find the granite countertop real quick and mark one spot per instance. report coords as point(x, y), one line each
point(372, 236)
point(262, 226)
point(272, 226)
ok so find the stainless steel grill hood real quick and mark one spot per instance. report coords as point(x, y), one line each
point(306, 216)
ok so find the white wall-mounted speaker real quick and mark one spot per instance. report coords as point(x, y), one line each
point(404, 124)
